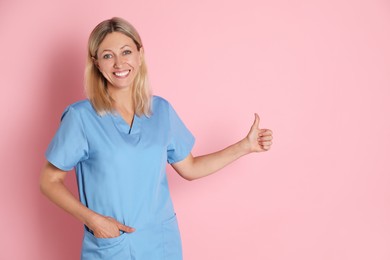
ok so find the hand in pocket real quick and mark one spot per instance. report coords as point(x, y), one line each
point(108, 227)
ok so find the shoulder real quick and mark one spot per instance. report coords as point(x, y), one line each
point(160, 104)
point(80, 108)
point(81, 105)
point(160, 101)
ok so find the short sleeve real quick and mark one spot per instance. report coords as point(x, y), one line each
point(181, 139)
point(69, 145)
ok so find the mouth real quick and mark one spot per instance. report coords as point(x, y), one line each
point(121, 74)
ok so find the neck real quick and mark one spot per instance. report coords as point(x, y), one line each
point(123, 99)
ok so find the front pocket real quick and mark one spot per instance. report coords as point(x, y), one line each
point(104, 242)
point(104, 248)
point(172, 240)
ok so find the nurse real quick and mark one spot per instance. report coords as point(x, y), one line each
point(119, 141)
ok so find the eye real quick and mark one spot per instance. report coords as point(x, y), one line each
point(126, 52)
point(107, 56)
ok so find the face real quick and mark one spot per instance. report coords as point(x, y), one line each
point(118, 60)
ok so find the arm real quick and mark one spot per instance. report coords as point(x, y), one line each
point(52, 185)
point(257, 140)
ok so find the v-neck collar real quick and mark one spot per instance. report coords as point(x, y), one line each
point(123, 126)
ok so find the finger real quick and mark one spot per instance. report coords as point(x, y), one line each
point(265, 138)
point(126, 229)
point(265, 132)
point(268, 143)
point(256, 122)
point(265, 147)
point(121, 226)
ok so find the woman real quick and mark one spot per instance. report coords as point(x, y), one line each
point(119, 141)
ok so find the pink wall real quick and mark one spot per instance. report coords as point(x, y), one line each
point(317, 72)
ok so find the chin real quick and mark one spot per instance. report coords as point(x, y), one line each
point(122, 86)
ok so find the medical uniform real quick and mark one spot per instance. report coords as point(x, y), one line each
point(121, 173)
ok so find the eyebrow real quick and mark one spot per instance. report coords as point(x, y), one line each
point(120, 48)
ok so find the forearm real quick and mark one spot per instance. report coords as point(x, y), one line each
point(55, 189)
point(257, 140)
point(204, 165)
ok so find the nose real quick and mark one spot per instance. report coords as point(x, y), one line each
point(118, 62)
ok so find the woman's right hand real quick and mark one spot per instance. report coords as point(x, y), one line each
point(108, 227)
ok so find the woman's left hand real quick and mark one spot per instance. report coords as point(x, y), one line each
point(259, 140)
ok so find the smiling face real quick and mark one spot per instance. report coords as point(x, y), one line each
point(118, 60)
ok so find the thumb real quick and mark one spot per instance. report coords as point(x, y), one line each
point(256, 122)
point(126, 229)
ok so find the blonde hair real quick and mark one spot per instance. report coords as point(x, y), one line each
point(96, 84)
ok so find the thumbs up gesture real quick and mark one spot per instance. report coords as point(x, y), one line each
point(260, 140)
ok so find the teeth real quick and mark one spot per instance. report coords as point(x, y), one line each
point(121, 74)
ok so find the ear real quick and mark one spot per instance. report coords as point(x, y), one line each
point(95, 61)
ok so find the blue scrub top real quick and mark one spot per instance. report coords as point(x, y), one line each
point(121, 170)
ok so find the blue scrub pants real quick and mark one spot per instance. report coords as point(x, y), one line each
point(159, 242)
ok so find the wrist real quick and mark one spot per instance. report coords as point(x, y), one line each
point(245, 146)
point(91, 219)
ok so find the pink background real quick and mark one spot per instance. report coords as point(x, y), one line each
point(317, 72)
